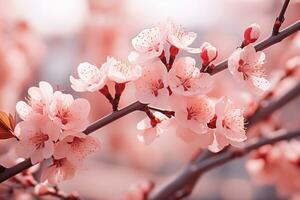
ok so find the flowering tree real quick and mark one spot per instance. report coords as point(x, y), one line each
point(173, 92)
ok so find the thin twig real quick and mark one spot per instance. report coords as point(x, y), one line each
point(274, 39)
point(280, 19)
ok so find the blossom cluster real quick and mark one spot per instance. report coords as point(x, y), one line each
point(277, 165)
point(181, 85)
point(52, 127)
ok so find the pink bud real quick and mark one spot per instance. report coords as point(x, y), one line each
point(251, 34)
point(208, 53)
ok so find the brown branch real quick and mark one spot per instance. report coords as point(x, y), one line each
point(186, 175)
point(9, 172)
point(175, 185)
point(280, 19)
point(274, 39)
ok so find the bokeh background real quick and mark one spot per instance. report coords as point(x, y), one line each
point(47, 39)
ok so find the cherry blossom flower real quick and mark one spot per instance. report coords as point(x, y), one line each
point(193, 112)
point(60, 170)
point(185, 78)
point(179, 38)
point(36, 138)
point(121, 72)
point(229, 125)
point(251, 34)
point(151, 87)
point(38, 101)
point(76, 147)
point(148, 44)
point(246, 65)
point(191, 117)
point(151, 129)
point(91, 78)
point(208, 53)
point(70, 114)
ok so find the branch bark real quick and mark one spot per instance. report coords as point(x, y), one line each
point(196, 169)
point(280, 19)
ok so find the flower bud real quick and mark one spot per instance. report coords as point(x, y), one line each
point(208, 53)
point(251, 34)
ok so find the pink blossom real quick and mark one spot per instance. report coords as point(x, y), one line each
point(148, 44)
point(246, 65)
point(121, 72)
point(91, 78)
point(38, 101)
point(43, 189)
point(139, 191)
point(251, 34)
point(150, 129)
point(60, 170)
point(76, 147)
point(180, 38)
point(186, 79)
point(230, 127)
point(193, 112)
point(208, 53)
point(36, 138)
point(151, 87)
point(70, 114)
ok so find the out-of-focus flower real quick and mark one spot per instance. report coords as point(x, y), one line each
point(246, 65)
point(208, 53)
point(76, 147)
point(91, 78)
point(36, 138)
point(60, 170)
point(229, 125)
point(251, 34)
point(151, 87)
point(121, 72)
point(38, 101)
point(152, 128)
point(186, 79)
point(277, 165)
point(68, 113)
point(43, 189)
point(139, 191)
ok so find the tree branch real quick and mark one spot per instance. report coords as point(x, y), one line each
point(280, 19)
point(12, 171)
point(274, 39)
point(197, 169)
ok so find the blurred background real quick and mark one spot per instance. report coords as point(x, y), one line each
point(46, 40)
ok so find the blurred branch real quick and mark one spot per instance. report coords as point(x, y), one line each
point(196, 169)
point(185, 187)
point(274, 39)
point(280, 19)
point(12, 171)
